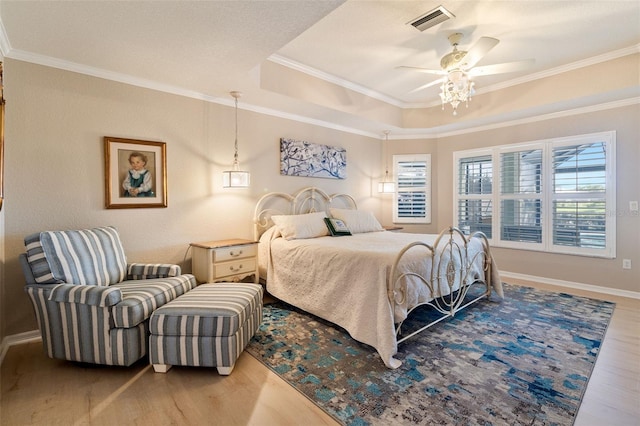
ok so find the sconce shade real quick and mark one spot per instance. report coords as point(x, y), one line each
point(386, 187)
point(236, 179)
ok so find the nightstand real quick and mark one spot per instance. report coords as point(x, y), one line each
point(225, 260)
point(393, 228)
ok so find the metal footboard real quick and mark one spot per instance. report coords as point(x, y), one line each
point(450, 276)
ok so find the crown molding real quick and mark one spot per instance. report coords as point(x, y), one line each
point(105, 74)
point(153, 85)
point(543, 117)
point(308, 120)
point(499, 86)
point(5, 46)
point(400, 133)
point(609, 56)
point(330, 78)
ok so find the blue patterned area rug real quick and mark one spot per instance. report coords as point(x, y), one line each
point(524, 360)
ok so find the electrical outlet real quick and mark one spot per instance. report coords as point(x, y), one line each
point(633, 206)
point(626, 263)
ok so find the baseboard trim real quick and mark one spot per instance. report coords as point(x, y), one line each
point(571, 284)
point(18, 339)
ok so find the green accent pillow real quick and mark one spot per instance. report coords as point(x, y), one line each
point(336, 227)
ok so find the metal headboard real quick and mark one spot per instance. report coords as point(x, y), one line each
point(306, 200)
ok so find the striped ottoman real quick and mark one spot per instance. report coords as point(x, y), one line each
point(208, 326)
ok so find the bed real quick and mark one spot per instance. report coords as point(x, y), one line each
point(370, 281)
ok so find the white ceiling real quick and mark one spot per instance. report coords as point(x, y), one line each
point(205, 49)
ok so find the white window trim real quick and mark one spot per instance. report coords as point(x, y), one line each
point(547, 195)
point(427, 190)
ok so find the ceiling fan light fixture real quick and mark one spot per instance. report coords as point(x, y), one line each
point(458, 66)
point(457, 88)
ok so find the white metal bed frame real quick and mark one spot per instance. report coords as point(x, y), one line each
point(312, 199)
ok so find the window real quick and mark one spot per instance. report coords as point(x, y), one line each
point(475, 180)
point(579, 203)
point(412, 202)
point(521, 195)
point(549, 195)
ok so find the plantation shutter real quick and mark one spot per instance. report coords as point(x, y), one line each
point(521, 196)
point(413, 197)
point(475, 183)
point(579, 195)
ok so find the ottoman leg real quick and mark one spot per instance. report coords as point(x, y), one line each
point(161, 368)
point(225, 371)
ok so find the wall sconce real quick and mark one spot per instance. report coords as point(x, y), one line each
point(236, 178)
point(387, 185)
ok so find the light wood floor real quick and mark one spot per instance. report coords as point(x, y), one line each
point(39, 390)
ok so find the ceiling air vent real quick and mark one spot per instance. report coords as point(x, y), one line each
point(432, 18)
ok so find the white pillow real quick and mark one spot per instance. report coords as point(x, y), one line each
point(299, 226)
point(358, 221)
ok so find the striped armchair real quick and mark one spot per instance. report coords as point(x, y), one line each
point(90, 305)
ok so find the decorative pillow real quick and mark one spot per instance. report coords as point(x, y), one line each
point(358, 221)
point(38, 263)
point(336, 227)
point(299, 226)
point(89, 256)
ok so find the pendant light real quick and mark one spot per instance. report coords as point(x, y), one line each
point(387, 185)
point(236, 178)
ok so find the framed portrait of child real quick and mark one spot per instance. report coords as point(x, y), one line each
point(135, 173)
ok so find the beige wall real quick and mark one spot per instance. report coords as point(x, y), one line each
point(55, 175)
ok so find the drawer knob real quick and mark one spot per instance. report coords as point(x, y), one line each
point(235, 254)
point(235, 269)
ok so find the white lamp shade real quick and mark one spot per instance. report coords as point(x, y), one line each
point(386, 187)
point(235, 179)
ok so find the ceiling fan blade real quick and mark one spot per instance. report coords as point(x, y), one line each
point(478, 50)
point(424, 86)
point(501, 68)
point(423, 70)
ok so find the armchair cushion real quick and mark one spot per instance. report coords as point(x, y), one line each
point(141, 297)
point(89, 256)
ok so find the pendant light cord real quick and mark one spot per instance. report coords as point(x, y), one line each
point(386, 159)
point(236, 163)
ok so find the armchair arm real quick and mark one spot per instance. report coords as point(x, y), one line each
point(145, 271)
point(93, 295)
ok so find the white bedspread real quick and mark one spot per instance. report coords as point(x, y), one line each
point(344, 280)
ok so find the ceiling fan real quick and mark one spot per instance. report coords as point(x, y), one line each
point(458, 68)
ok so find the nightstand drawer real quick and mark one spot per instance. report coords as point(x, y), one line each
point(223, 254)
point(235, 267)
point(225, 260)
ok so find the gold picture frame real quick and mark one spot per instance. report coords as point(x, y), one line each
point(1, 135)
point(135, 173)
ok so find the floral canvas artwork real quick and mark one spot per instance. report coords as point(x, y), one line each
point(301, 158)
